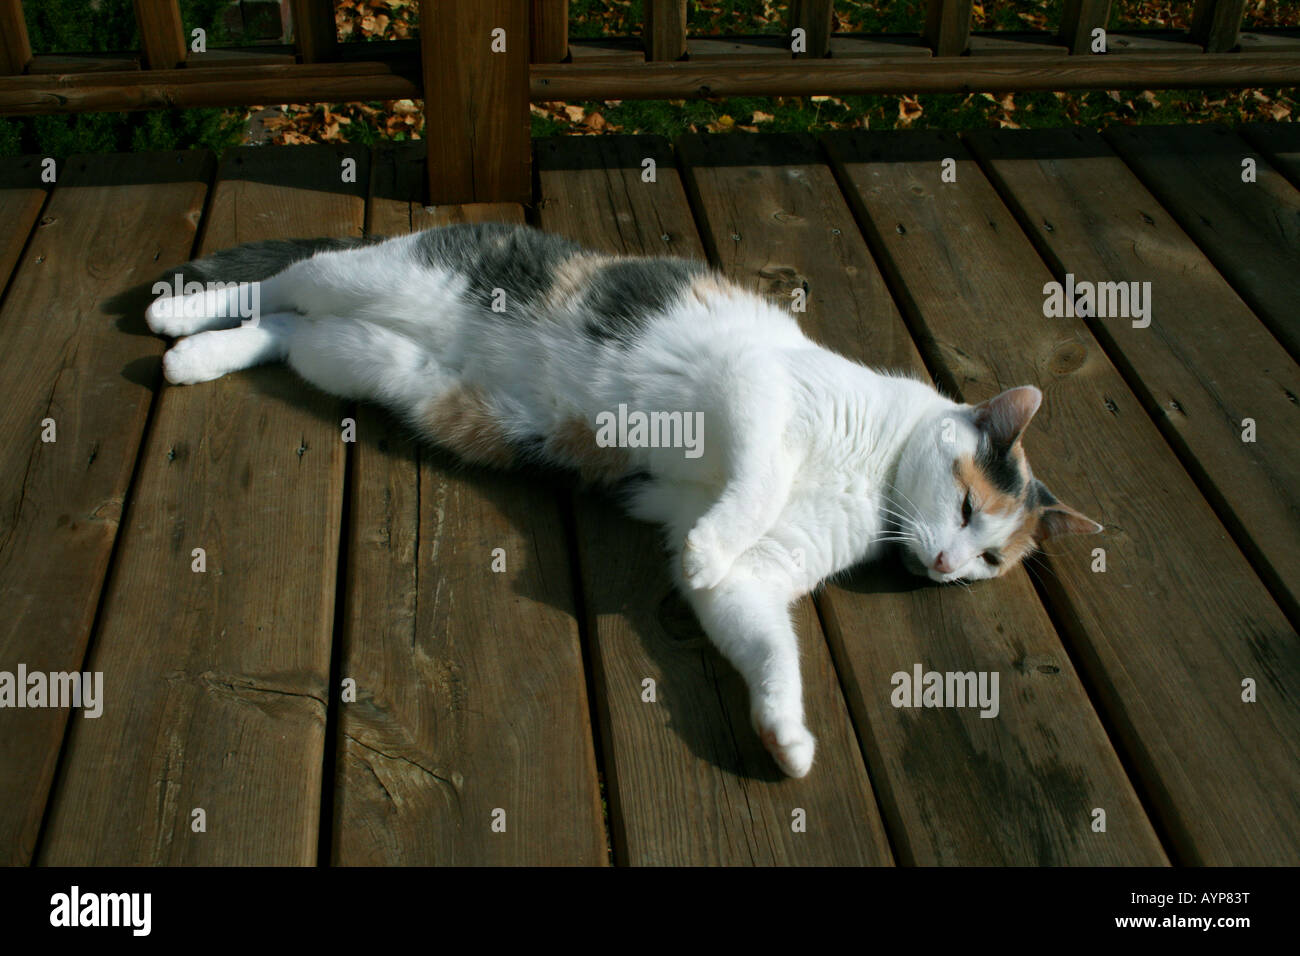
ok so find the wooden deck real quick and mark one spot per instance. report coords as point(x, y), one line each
point(517, 697)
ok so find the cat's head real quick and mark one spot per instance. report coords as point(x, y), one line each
point(965, 500)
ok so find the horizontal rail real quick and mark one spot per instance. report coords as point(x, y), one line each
point(399, 77)
point(991, 74)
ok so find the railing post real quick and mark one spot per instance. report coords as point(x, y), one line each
point(1216, 24)
point(1078, 19)
point(314, 31)
point(947, 26)
point(474, 59)
point(162, 33)
point(550, 31)
point(815, 18)
point(665, 29)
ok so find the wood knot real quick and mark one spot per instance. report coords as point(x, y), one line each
point(1068, 358)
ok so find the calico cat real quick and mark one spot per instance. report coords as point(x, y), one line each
point(505, 345)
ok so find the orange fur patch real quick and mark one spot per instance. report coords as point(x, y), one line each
point(574, 444)
point(572, 276)
point(987, 497)
point(462, 421)
point(1020, 543)
point(710, 288)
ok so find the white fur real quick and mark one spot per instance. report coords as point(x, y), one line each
point(810, 461)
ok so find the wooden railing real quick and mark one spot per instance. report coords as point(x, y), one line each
point(482, 61)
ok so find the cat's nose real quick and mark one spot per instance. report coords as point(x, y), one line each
point(941, 564)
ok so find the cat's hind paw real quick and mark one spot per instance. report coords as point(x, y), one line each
point(791, 746)
point(192, 360)
point(704, 562)
point(166, 316)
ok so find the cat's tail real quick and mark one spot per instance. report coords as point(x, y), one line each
point(255, 261)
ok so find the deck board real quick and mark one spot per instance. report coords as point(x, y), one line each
point(227, 669)
point(1249, 230)
point(689, 781)
point(1104, 225)
point(106, 227)
point(1280, 144)
point(22, 194)
point(1026, 781)
point(1166, 635)
point(471, 689)
point(326, 560)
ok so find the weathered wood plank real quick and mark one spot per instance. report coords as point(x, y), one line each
point(550, 30)
point(393, 74)
point(1167, 634)
point(688, 780)
point(817, 19)
point(315, 33)
point(1216, 24)
point(757, 50)
point(1249, 230)
point(108, 225)
point(218, 681)
point(474, 56)
point(1023, 789)
point(1268, 41)
point(848, 45)
point(947, 26)
point(665, 29)
point(63, 63)
point(1280, 144)
point(1143, 43)
point(1003, 43)
point(604, 50)
point(471, 688)
point(162, 34)
point(1205, 363)
point(938, 74)
point(22, 194)
point(15, 47)
point(1078, 19)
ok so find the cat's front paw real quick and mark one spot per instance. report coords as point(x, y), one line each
point(704, 562)
point(789, 743)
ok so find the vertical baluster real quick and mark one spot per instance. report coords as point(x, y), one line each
point(1216, 24)
point(1078, 19)
point(15, 47)
point(162, 34)
point(665, 29)
point(550, 31)
point(947, 26)
point(314, 32)
point(815, 17)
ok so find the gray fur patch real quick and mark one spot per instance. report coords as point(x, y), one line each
point(519, 260)
point(999, 467)
point(624, 294)
point(255, 261)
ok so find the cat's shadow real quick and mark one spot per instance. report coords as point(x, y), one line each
point(609, 573)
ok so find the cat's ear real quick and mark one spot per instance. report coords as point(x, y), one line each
point(1005, 416)
point(1054, 518)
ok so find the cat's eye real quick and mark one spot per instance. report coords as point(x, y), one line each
point(966, 510)
point(991, 558)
